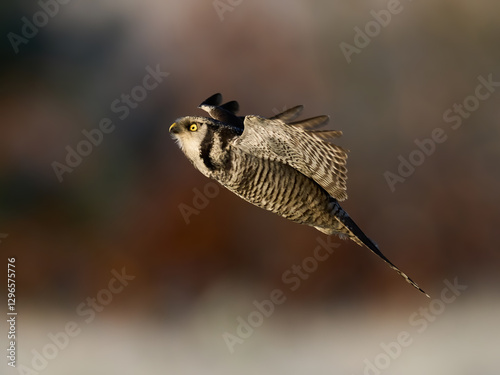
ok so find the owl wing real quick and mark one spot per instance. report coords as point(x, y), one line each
point(300, 145)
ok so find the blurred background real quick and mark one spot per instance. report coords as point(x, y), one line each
point(195, 275)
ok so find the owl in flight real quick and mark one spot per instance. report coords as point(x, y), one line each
point(284, 166)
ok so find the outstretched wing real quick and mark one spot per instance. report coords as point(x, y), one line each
point(300, 146)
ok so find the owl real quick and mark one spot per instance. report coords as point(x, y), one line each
point(285, 166)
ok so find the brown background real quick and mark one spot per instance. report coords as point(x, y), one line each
point(120, 207)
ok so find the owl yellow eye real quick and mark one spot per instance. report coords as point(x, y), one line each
point(193, 127)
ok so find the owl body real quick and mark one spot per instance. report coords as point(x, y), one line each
point(289, 168)
point(280, 189)
point(267, 183)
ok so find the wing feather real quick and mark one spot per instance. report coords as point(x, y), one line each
point(232, 106)
point(311, 123)
point(289, 114)
point(212, 101)
point(309, 152)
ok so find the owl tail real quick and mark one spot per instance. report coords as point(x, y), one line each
point(357, 235)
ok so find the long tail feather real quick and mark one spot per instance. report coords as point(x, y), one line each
point(362, 239)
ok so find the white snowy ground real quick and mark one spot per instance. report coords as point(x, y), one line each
point(448, 338)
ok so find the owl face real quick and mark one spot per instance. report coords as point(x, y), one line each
point(200, 139)
point(189, 133)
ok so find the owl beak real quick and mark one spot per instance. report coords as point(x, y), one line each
point(173, 128)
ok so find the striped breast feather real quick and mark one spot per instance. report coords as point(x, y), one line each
point(298, 145)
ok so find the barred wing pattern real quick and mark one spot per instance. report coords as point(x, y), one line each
point(300, 146)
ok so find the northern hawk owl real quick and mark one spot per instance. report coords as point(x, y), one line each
point(284, 166)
